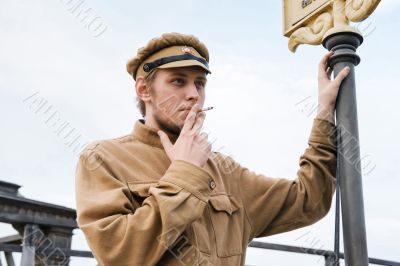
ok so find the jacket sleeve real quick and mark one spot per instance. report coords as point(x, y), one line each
point(122, 231)
point(275, 205)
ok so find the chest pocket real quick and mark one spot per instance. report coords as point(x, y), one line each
point(140, 190)
point(227, 221)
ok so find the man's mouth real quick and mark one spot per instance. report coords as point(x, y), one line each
point(186, 108)
point(186, 111)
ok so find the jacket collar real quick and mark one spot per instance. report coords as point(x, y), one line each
point(148, 135)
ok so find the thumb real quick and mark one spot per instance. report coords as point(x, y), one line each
point(342, 75)
point(164, 140)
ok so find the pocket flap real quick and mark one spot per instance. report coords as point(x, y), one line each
point(224, 203)
point(141, 188)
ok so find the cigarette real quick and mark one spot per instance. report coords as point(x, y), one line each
point(205, 109)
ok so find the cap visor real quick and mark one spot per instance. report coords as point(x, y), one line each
point(185, 63)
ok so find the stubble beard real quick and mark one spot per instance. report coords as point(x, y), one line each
point(168, 124)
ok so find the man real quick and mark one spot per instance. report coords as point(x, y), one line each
point(161, 196)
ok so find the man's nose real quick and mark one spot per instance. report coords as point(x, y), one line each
point(192, 93)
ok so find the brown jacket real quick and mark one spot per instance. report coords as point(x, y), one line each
point(135, 207)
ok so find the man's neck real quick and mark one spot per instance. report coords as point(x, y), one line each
point(152, 122)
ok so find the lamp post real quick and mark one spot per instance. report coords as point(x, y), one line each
point(327, 22)
point(344, 45)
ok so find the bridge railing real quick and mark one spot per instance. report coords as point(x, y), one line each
point(45, 233)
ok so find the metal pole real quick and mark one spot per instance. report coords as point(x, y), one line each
point(28, 245)
point(337, 215)
point(344, 45)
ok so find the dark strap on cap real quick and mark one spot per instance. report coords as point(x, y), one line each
point(165, 60)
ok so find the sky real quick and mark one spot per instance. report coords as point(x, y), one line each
point(261, 92)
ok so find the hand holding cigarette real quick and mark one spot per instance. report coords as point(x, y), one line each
point(192, 145)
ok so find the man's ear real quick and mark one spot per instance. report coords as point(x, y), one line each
point(142, 89)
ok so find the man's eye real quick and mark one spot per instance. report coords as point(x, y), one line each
point(178, 82)
point(200, 84)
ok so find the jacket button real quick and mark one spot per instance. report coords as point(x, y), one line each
point(211, 184)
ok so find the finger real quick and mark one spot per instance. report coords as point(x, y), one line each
point(323, 64)
point(191, 118)
point(205, 146)
point(202, 137)
point(165, 140)
point(199, 122)
point(208, 149)
point(329, 72)
point(342, 75)
point(324, 60)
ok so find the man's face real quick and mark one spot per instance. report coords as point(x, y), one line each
point(173, 92)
